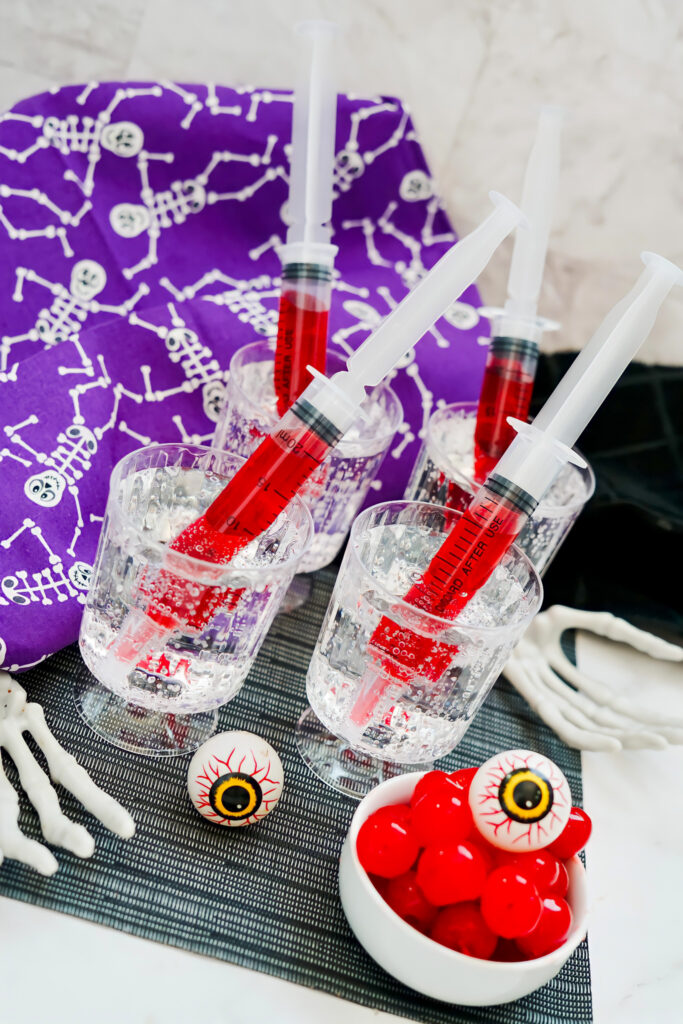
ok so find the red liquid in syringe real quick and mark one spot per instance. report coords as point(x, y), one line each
point(506, 391)
point(301, 342)
point(249, 503)
point(461, 566)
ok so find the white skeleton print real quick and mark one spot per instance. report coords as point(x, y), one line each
point(70, 308)
point(196, 360)
point(160, 210)
point(350, 162)
point(48, 585)
point(87, 135)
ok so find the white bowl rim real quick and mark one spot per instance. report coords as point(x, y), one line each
point(576, 934)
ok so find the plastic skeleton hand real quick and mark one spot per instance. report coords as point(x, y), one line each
point(16, 718)
point(586, 714)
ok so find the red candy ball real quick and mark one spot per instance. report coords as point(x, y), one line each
point(429, 863)
point(573, 836)
point(386, 845)
point(548, 874)
point(510, 903)
point(442, 814)
point(431, 782)
point(551, 931)
point(463, 929)
point(381, 885)
point(404, 896)
point(463, 776)
point(560, 886)
point(451, 873)
point(507, 952)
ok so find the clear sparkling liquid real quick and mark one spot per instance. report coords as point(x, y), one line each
point(421, 719)
point(186, 672)
point(444, 475)
point(339, 486)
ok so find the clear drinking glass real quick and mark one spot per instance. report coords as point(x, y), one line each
point(369, 717)
point(444, 474)
point(339, 486)
point(166, 704)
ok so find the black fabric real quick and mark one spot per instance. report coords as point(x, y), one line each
point(625, 552)
point(265, 896)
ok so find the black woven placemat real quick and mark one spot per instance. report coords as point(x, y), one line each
point(263, 897)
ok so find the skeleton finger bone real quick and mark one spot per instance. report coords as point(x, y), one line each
point(550, 710)
point(65, 769)
point(54, 824)
point(559, 618)
point(17, 717)
point(13, 843)
point(584, 712)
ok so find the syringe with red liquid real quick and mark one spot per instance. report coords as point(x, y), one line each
point(499, 511)
point(303, 319)
point(264, 486)
point(249, 504)
point(516, 332)
point(308, 258)
point(505, 392)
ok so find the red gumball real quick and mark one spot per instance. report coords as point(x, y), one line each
point(442, 814)
point(381, 885)
point(551, 931)
point(548, 874)
point(427, 784)
point(386, 845)
point(463, 929)
point(507, 952)
point(404, 896)
point(510, 903)
point(451, 873)
point(573, 836)
point(560, 886)
point(463, 776)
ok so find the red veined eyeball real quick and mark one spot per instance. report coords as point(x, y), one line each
point(235, 779)
point(520, 800)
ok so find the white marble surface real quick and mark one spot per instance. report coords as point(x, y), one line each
point(474, 73)
point(635, 856)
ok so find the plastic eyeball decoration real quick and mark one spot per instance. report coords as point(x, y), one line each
point(235, 779)
point(520, 800)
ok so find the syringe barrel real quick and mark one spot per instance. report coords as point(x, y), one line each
point(599, 365)
point(313, 129)
point(457, 269)
point(538, 201)
point(337, 405)
point(302, 328)
point(533, 460)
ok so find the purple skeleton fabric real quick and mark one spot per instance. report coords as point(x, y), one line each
point(138, 251)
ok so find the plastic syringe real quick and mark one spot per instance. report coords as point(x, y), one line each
point(503, 505)
point(308, 258)
point(263, 487)
point(516, 331)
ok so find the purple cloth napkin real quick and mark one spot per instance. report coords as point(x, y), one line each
point(137, 253)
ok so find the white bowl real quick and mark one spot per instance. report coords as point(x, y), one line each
point(425, 965)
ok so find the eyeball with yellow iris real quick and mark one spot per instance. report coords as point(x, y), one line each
point(520, 800)
point(235, 779)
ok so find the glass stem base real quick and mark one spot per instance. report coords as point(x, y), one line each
point(339, 766)
point(297, 595)
point(151, 733)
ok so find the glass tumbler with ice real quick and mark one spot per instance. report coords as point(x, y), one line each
point(413, 717)
point(444, 473)
point(339, 486)
point(166, 703)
